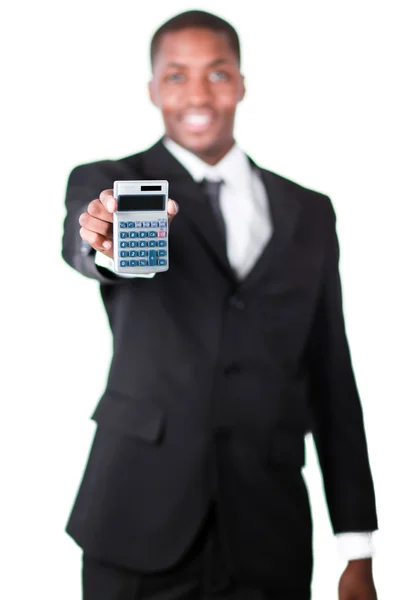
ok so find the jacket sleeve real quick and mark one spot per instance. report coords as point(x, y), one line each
point(85, 183)
point(338, 427)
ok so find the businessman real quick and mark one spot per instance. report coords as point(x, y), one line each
point(221, 365)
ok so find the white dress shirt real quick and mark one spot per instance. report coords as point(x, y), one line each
point(243, 202)
point(245, 208)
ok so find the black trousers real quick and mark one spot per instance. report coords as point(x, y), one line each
point(201, 575)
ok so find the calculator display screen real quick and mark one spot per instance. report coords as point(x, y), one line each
point(142, 202)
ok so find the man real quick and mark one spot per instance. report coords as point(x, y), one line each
point(193, 487)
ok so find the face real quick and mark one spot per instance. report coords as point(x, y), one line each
point(197, 85)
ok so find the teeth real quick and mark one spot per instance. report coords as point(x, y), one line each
point(197, 119)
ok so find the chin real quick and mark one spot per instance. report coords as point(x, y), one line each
point(195, 142)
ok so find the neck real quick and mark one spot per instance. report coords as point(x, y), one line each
point(212, 155)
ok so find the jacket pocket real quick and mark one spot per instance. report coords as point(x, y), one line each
point(130, 416)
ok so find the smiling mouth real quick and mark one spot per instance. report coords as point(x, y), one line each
point(197, 123)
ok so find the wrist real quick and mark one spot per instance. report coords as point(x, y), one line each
point(360, 565)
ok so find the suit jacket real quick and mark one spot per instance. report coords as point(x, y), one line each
point(214, 383)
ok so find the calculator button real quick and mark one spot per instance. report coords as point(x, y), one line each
point(154, 224)
point(162, 243)
point(133, 234)
point(161, 233)
point(124, 244)
point(133, 253)
point(133, 263)
point(146, 223)
point(163, 223)
point(142, 234)
point(138, 223)
point(123, 234)
point(122, 224)
point(152, 258)
point(123, 253)
point(143, 253)
point(133, 244)
point(162, 252)
point(143, 244)
point(143, 263)
point(131, 224)
point(152, 244)
point(123, 263)
point(152, 233)
point(162, 262)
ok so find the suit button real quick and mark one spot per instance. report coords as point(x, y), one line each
point(236, 302)
point(231, 369)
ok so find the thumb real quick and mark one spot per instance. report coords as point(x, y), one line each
point(172, 209)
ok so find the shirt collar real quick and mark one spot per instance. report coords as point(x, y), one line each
point(233, 168)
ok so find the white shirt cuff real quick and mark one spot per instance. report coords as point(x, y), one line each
point(354, 546)
point(101, 260)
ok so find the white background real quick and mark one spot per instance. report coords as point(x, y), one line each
point(325, 107)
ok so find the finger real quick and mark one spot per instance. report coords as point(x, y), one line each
point(97, 209)
point(96, 225)
point(108, 200)
point(97, 241)
point(172, 210)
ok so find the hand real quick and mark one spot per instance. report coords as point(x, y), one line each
point(96, 223)
point(356, 582)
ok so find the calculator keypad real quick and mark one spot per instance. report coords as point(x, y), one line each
point(150, 244)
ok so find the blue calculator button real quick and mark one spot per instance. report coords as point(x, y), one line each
point(133, 253)
point(152, 244)
point(162, 262)
point(163, 223)
point(133, 244)
point(138, 223)
point(133, 263)
point(143, 263)
point(133, 234)
point(162, 243)
point(122, 224)
point(142, 234)
point(143, 244)
point(123, 244)
point(152, 258)
point(131, 224)
point(123, 253)
point(123, 263)
point(154, 224)
point(162, 252)
point(152, 234)
point(143, 253)
point(123, 234)
point(146, 223)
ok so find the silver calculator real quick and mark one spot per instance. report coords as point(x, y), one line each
point(140, 227)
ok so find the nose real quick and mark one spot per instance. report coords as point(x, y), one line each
point(199, 91)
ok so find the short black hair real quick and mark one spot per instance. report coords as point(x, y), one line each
point(195, 18)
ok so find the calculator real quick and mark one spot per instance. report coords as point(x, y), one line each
point(140, 227)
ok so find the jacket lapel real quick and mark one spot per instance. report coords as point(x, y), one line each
point(159, 163)
point(284, 212)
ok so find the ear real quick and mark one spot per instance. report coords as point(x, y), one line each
point(153, 93)
point(242, 88)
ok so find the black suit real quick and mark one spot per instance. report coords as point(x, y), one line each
point(213, 385)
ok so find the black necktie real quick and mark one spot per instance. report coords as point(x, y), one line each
point(211, 189)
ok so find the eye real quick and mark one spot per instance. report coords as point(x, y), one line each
point(215, 76)
point(175, 77)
